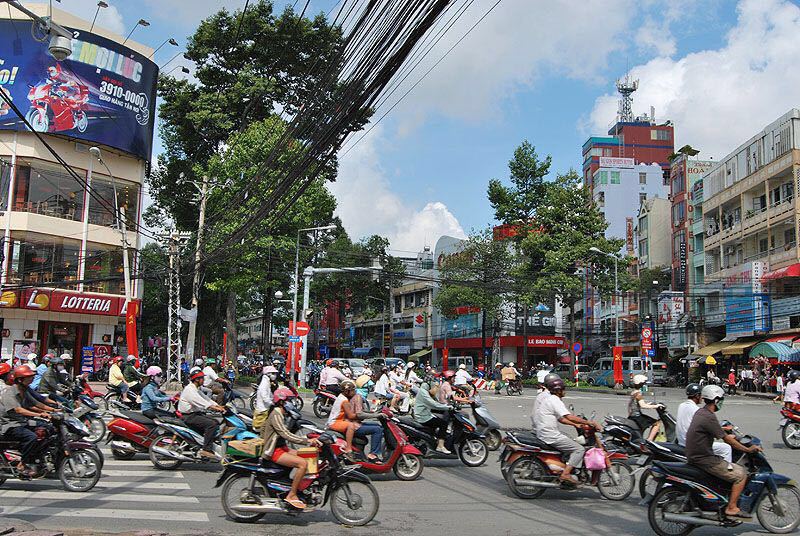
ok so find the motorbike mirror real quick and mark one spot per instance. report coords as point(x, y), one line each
point(572, 408)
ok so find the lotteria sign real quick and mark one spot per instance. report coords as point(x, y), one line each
point(72, 302)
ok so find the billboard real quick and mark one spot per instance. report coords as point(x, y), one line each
point(747, 307)
point(103, 93)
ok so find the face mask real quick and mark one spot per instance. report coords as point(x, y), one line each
point(60, 368)
point(157, 380)
point(719, 403)
point(273, 377)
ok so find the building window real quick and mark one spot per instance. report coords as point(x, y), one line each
point(608, 152)
point(39, 260)
point(48, 191)
point(678, 239)
point(643, 248)
point(601, 198)
point(642, 178)
point(104, 269)
point(643, 225)
point(642, 198)
point(398, 304)
point(127, 197)
point(678, 182)
point(661, 135)
point(615, 177)
point(603, 177)
point(5, 177)
point(408, 301)
point(789, 237)
point(678, 213)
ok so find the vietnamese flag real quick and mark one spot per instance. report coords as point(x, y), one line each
point(130, 329)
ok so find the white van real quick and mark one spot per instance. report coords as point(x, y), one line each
point(455, 361)
point(602, 372)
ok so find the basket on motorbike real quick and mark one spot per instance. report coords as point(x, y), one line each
point(311, 456)
point(246, 448)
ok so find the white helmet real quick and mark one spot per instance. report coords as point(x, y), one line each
point(510, 364)
point(462, 366)
point(66, 357)
point(198, 362)
point(194, 369)
point(712, 393)
point(639, 379)
point(410, 365)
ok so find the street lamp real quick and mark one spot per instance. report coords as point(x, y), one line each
point(171, 41)
point(141, 22)
point(100, 5)
point(616, 291)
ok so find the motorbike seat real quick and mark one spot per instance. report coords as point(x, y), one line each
point(138, 417)
point(623, 421)
point(113, 388)
point(690, 472)
point(360, 441)
point(673, 447)
point(411, 422)
point(527, 438)
point(245, 412)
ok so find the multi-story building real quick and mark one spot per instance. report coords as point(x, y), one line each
point(61, 277)
point(654, 249)
point(251, 338)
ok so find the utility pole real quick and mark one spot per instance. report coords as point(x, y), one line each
point(190, 340)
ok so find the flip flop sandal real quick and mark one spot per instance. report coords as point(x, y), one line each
point(296, 503)
point(372, 458)
point(739, 515)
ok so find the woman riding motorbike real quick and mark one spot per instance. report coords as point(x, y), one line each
point(152, 396)
point(269, 378)
point(637, 404)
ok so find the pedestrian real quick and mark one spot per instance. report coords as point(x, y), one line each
point(497, 377)
point(779, 386)
point(732, 382)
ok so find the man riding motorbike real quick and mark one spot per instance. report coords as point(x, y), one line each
point(705, 428)
point(462, 376)
point(510, 374)
point(549, 413)
point(637, 403)
point(12, 392)
point(131, 375)
point(52, 380)
point(686, 412)
point(544, 393)
point(424, 404)
point(791, 396)
point(214, 381)
point(115, 376)
point(331, 377)
point(193, 406)
point(152, 395)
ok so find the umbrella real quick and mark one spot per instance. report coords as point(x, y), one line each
point(708, 360)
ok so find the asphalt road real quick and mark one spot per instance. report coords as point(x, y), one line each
point(450, 498)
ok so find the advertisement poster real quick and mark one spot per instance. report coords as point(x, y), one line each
point(23, 348)
point(87, 359)
point(104, 92)
point(102, 353)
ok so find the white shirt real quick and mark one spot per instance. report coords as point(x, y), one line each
point(536, 403)
point(211, 375)
point(395, 378)
point(413, 378)
point(382, 386)
point(685, 414)
point(264, 394)
point(548, 412)
point(8, 399)
point(462, 377)
point(792, 393)
point(191, 400)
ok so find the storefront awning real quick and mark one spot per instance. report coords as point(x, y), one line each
point(776, 350)
point(361, 352)
point(739, 347)
point(713, 348)
point(419, 354)
point(793, 270)
point(786, 338)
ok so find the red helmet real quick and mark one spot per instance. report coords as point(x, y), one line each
point(281, 394)
point(329, 362)
point(23, 371)
point(197, 375)
point(5, 368)
point(448, 374)
point(117, 359)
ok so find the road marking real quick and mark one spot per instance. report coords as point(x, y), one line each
point(104, 484)
point(92, 495)
point(137, 463)
point(146, 515)
point(150, 474)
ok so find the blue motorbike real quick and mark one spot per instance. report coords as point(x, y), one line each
point(177, 443)
point(687, 497)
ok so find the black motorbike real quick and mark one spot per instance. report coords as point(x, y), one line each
point(463, 440)
point(623, 433)
point(77, 463)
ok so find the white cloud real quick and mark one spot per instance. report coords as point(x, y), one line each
point(108, 18)
point(719, 98)
point(367, 205)
point(656, 37)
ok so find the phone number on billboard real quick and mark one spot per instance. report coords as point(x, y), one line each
point(113, 90)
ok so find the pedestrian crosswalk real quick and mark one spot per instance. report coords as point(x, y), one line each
point(128, 489)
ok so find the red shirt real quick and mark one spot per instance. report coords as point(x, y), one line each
point(731, 379)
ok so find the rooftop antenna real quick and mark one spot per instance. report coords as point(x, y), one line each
point(626, 87)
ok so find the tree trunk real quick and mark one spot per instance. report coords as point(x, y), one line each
point(233, 336)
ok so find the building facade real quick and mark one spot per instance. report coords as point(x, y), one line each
point(654, 248)
point(62, 276)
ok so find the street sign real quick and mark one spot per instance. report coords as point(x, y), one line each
point(577, 348)
point(302, 329)
point(294, 338)
point(651, 353)
point(647, 333)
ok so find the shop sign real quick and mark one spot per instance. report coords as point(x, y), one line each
point(87, 359)
point(616, 162)
point(9, 298)
point(71, 302)
point(402, 350)
point(629, 235)
point(547, 342)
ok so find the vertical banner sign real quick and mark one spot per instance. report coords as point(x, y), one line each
point(130, 329)
point(290, 355)
point(87, 359)
point(629, 235)
point(618, 377)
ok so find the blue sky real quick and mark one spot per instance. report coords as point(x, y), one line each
point(542, 70)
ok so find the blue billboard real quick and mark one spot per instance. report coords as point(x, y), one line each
point(103, 93)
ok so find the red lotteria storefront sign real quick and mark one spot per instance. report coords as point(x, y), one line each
point(72, 302)
point(547, 342)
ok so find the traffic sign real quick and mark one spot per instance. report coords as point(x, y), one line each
point(647, 333)
point(577, 348)
point(651, 353)
point(302, 329)
point(294, 338)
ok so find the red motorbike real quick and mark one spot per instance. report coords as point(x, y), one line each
point(96, 396)
point(131, 432)
point(58, 106)
point(790, 428)
point(405, 459)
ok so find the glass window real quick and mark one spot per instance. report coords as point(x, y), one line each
point(397, 304)
point(603, 177)
point(678, 239)
point(662, 135)
point(5, 178)
point(643, 225)
point(643, 249)
point(49, 191)
point(678, 212)
point(127, 197)
point(39, 259)
point(615, 177)
point(104, 270)
point(642, 178)
point(408, 300)
point(678, 182)
point(642, 198)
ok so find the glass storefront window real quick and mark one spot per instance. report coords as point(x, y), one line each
point(127, 197)
point(5, 178)
point(38, 260)
point(49, 191)
point(104, 269)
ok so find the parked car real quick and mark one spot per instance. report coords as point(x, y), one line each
point(565, 371)
point(357, 365)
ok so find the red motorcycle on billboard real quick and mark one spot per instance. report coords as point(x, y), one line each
point(58, 103)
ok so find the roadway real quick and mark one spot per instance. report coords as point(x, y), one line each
point(449, 498)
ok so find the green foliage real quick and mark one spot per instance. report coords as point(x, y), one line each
point(517, 204)
point(156, 295)
point(644, 283)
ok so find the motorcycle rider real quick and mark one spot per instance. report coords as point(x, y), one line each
point(214, 381)
point(791, 396)
point(193, 406)
point(411, 377)
point(637, 403)
point(497, 377)
point(41, 368)
point(11, 407)
point(549, 413)
point(269, 378)
point(131, 375)
point(686, 412)
point(424, 404)
point(446, 391)
point(544, 393)
point(52, 380)
point(276, 435)
point(462, 376)
point(510, 373)
point(342, 418)
point(705, 428)
point(331, 377)
point(152, 395)
point(115, 376)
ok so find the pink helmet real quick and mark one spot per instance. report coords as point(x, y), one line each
point(281, 394)
point(153, 370)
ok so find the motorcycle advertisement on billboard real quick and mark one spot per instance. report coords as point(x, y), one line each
point(103, 93)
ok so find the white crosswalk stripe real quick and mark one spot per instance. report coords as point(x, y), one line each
point(130, 489)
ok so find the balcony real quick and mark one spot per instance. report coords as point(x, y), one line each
point(782, 255)
point(698, 260)
point(781, 208)
point(754, 219)
point(697, 227)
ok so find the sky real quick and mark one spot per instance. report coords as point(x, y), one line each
point(541, 70)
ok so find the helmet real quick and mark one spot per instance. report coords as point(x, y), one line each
point(556, 385)
point(32, 356)
point(329, 362)
point(384, 369)
point(498, 364)
point(712, 393)
point(281, 394)
point(269, 369)
point(5, 368)
point(193, 370)
point(347, 384)
point(550, 378)
point(334, 364)
point(793, 375)
point(154, 371)
point(198, 374)
point(117, 358)
point(639, 379)
point(448, 374)
point(211, 361)
point(410, 365)
point(462, 366)
point(23, 371)
point(510, 364)
point(66, 357)
point(363, 380)
point(693, 389)
point(198, 362)
point(56, 361)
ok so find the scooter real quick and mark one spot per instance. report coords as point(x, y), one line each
point(463, 440)
point(531, 466)
point(789, 426)
point(621, 432)
point(323, 403)
point(403, 458)
point(297, 400)
point(485, 421)
point(57, 107)
point(114, 394)
point(687, 497)
point(96, 396)
point(131, 433)
point(85, 410)
point(177, 443)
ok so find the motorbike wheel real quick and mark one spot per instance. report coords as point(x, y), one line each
point(509, 390)
point(81, 121)
point(253, 402)
point(625, 483)
point(493, 440)
point(354, 503)
point(239, 403)
point(321, 410)
point(233, 490)
point(646, 483)
point(38, 120)
point(298, 402)
point(79, 471)
point(526, 468)
point(791, 435)
point(408, 467)
point(789, 499)
point(473, 452)
point(97, 428)
point(102, 403)
point(668, 500)
point(164, 463)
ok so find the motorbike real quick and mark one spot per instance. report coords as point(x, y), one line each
point(131, 433)
point(789, 426)
point(297, 401)
point(531, 467)
point(463, 439)
point(233, 397)
point(177, 443)
point(404, 459)
point(486, 423)
point(57, 107)
point(114, 394)
point(323, 402)
point(76, 463)
point(623, 433)
point(96, 396)
point(84, 409)
point(686, 497)
point(514, 387)
point(252, 488)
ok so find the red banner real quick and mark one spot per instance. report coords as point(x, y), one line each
point(72, 302)
point(130, 330)
point(618, 376)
